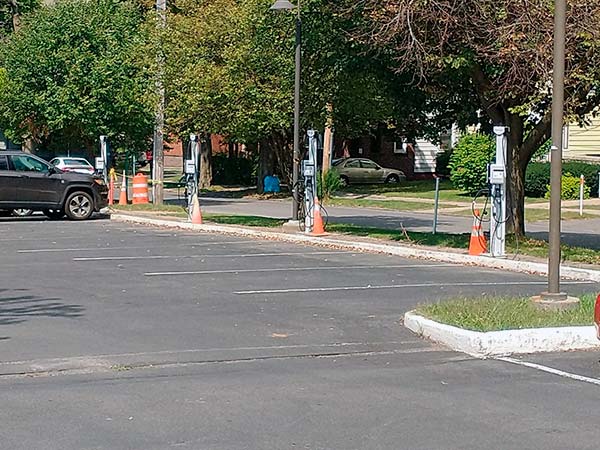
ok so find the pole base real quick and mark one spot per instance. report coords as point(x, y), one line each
point(555, 302)
point(291, 225)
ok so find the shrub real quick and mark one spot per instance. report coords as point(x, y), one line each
point(537, 177)
point(588, 170)
point(232, 171)
point(570, 188)
point(328, 184)
point(469, 160)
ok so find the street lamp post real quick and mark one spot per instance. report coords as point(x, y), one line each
point(553, 298)
point(280, 5)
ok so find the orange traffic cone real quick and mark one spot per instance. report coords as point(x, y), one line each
point(318, 227)
point(196, 212)
point(478, 244)
point(123, 194)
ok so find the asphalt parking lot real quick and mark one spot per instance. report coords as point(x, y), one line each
point(121, 337)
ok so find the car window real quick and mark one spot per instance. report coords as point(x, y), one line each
point(368, 164)
point(353, 164)
point(76, 162)
point(55, 161)
point(23, 163)
point(3, 162)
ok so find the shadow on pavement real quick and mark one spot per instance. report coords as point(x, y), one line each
point(18, 308)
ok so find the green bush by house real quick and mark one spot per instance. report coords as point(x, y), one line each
point(469, 160)
point(537, 177)
point(570, 188)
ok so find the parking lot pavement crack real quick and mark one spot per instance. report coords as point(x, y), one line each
point(159, 360)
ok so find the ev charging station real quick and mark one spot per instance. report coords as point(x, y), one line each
point(102, 162)
point(309, 170)
point(192, 166)
point(497, 180)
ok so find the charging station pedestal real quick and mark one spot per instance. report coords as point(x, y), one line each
point(497, 180)
point(309, 170)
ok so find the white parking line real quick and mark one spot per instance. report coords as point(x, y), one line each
point(400, 286)
point(238, 255)
point(551, 370)
point(288, 269)
point(116, 247)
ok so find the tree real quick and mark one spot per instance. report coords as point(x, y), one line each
point(231, 71)
point(11, 12)
point(499, 50)
point(70, 74)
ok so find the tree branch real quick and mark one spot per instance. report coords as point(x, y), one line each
point(482, 87)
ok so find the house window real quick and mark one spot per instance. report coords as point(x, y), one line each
point(400, 148)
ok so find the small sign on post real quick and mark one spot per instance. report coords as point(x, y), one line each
point(99, 164)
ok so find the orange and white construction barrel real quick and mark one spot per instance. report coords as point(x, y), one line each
point(140, 189)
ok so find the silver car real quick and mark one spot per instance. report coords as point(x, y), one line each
point(362, 170)
point(77, 165)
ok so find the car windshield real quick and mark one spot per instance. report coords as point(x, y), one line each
point(76, 162)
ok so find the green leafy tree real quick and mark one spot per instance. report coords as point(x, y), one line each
point(499, 51)
point(230, 70)
point(70, 74)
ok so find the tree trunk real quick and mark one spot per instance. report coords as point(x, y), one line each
point(206, 162)
point(520, 150)
point(516, 196)
point(265, 165)
point(282, 149)
point(29, 145)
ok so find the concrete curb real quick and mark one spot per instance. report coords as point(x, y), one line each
point(573, 273)
point(502, 343)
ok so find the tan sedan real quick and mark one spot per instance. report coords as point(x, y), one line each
point(365, 171)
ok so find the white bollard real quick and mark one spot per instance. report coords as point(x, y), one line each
point(581, 184)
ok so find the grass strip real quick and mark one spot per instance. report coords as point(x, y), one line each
point(398, 205)
point(497, 313)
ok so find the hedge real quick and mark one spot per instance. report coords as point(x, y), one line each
point(537, 177)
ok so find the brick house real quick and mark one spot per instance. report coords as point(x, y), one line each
point(416, 160)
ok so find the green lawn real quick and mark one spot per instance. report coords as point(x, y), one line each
point(420, 188)
point(398, 205)
point(533, 214)
point(494, 314)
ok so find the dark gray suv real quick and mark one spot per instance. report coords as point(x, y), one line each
point(29, 182)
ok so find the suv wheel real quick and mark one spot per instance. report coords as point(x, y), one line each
point(54, 214)
point(79, 206)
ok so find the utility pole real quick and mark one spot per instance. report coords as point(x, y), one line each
point(554, 298)
point(328, 140)
point(158, 154)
